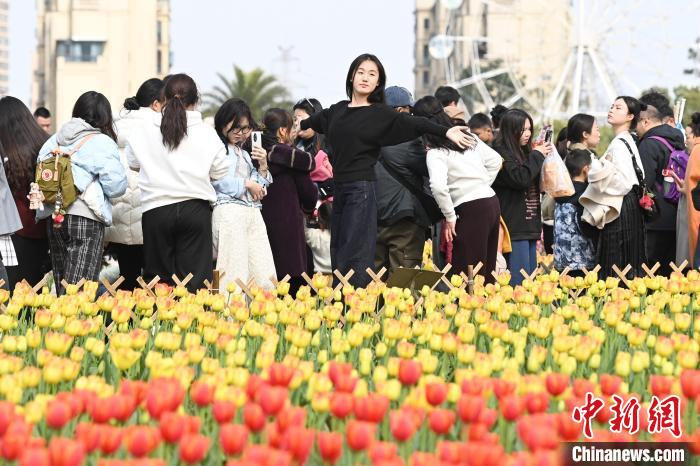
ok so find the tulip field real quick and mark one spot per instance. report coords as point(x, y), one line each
point(344, 376)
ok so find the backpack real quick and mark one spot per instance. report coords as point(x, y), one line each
point(678, 163)
point(55, 177)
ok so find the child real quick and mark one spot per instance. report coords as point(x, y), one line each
point(319, 239)
point(480, 124)
point(574, 240)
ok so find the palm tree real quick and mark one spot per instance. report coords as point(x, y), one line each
point(259, 90)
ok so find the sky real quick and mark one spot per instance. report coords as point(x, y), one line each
point(210, 36)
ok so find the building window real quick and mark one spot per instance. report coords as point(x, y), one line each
point(80, 51)
point(159, 32)
point(426, 78)
point(426, 23)
point(426, 53)
point(159, 62)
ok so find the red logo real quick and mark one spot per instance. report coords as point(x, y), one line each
point(46, 174)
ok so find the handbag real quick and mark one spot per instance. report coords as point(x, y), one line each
point(648, 202)
point(426, 201)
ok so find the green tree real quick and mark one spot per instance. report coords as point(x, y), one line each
point(259, 90)
point(694, 56)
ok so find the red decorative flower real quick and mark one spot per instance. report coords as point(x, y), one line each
point(233, 438)
point(330, 446)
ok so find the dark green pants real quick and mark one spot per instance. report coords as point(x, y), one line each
point(399, 245)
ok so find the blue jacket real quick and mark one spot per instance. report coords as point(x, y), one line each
point(231, 188)
point(97, 160)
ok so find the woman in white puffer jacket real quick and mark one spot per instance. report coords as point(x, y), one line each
point(125, 234)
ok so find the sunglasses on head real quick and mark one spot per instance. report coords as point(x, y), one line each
point(305, 100)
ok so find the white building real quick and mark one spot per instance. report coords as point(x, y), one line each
point(4, 48)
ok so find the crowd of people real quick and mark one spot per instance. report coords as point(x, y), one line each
point(360, 184)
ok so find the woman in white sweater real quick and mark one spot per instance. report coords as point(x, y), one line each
point(125, 235)
point(461, 184)
point(623, 241)
point(178, 156)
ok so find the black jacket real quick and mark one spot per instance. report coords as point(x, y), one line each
point(518, 189)
point(394, 201)
point(655, 157)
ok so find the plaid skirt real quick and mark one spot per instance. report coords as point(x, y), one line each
point(623, 241)
point(76, 250)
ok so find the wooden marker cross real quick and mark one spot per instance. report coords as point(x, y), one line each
point(65, 284)
point(679, 268)
point(112, 287)
point(148, 286)
point(651, 271)
point(623, 273)
point(183, 282)
point(376, 277)
point(344, 280)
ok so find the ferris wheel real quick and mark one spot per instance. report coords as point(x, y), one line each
point(552, 57)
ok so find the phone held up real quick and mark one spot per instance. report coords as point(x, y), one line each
point(256, 139)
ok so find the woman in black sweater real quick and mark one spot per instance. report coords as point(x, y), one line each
point(356, 129)
point(518, 190)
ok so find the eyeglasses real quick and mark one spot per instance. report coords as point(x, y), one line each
point(240, 129)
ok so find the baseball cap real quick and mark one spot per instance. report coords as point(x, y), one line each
point(396, 96)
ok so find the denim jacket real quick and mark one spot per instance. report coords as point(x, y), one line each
point(96, 161)
point(231, 188)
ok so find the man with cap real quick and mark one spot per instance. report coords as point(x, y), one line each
point(403, 221)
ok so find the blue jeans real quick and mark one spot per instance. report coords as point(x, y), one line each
point(523, 256)
point(354, 229)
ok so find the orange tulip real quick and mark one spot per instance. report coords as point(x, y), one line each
point(233, 438)
point(58, 414)
point(254, 417)
point(409, 371)
point(609, 384)
point(556, 383)
point(194, 448)
point(341, 404)
point(436, 393)
point(441, 421)
point(359, 434)
point(66, 452)
point(223, 411)
point(330, 446)
point(469, 407)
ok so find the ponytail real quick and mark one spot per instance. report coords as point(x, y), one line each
point(150, 91)
point(131, 103)
point(180, 92)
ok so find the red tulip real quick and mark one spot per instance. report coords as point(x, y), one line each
point(66, 452)
point(660, 385)
point(609, 384)
point(469, 407)
point(345, 383)
point(693, 442)
point(537, 402)
point(202, 394)
point(449, 452)
point(99, 410)
point(382, 451)
point(502, 388)
point(300, 441)
point(436, 393)
point(605, 413)
point(371, 408)
point(58, 414)
point(419, 458)
point(409, 372)
point(359, 434)
point(473, 386)
point(253, 386)
point(557, 383)
point(89, 435)
point(194, 448)
point(280, 374)
point(478, 432)
point(275, 437)
point(511, 407)
point(7, 414)
point(581, 387)
point(272, 399)
point(291, 416)
point(35, 457)
point(341, 404)
point(569, 430)
point(338, 369)
point(223, 411)
point(690, 383)
point(141, 440)
point(233, 438)
point(441, 421)
point(172, 427)
point(121, 406)
point(110, 439)
point(12, 446)
point(402, 425)
point(74, 401)
point(254, 417)
point(330, 446)
point(488, 417)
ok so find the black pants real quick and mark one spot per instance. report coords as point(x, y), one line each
point(354, 229)
point(177, 240)
point(661, 248)
point(130, 259)
point(548, 238)
point(32, 260)
point(3, 276)
point(477, 236)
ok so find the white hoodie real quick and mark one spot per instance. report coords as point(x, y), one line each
point(170, 176)
point(459, 177)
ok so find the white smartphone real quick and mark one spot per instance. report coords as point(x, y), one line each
point(256, 139)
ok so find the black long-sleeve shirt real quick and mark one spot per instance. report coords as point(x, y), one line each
point(356, 135)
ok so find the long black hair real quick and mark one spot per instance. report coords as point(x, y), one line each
point(634, 108)
point(21, 137)
point(377, 95)
point(511, 128)
point(95, 109)
point(318, 141)
point(695, 124)
point(496, 115)
point(180, 92)
point(577, 125)
point(431, 108)
point(232, 111)
point(148, 92)
point(273, 120)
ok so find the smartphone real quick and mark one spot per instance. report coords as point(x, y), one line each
point(256, 139)
point(548, 135)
